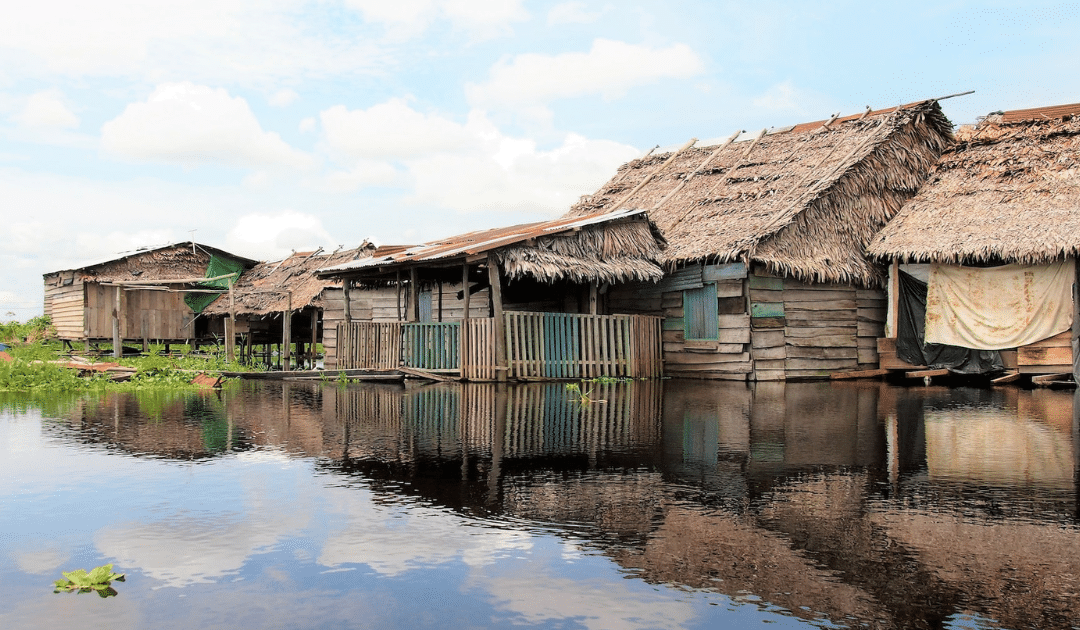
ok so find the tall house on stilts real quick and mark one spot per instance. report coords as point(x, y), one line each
point(766, 276)
point(152, 294)
point(983, 260)
point(522, 302)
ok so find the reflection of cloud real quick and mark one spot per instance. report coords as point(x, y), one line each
point(42, 561)
point(537, 594)
point(194, 548)
point(394, 540)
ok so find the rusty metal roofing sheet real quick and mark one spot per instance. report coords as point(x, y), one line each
point(480, 241)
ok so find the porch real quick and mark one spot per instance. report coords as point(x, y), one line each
point(537, 346)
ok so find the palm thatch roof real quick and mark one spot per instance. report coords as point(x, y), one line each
point(1009, 191)
point(266, 288)
point(613, 248)
point(803, 200)
point(165, 262)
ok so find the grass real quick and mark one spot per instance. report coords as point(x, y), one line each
point(33, 346)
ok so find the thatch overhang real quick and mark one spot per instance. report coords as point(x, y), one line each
point(605, 248)
point(149, 264)
point(1009, 191)
point(289, 284)
point(803, 200)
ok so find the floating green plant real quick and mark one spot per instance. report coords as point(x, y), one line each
point(99, 580)
point(580, 394)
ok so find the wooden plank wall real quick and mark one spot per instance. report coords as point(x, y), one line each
point(147, 314)
point(64, 304)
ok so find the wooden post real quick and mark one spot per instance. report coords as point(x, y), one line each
point(465, 290)
point(892, 299)
point(314, 334)
point(286, 334)
point(397, 282)
point(594, 296)
point(414, 296)
point(346, 285)
point(117, 334)
point(501, 367)
point(230, 326)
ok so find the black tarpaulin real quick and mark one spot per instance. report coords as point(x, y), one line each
point(910, 322)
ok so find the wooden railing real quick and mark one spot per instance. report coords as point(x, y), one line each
point(538, 346)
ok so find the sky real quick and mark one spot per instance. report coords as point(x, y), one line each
point(266, 126)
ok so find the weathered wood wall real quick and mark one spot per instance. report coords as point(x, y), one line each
point(768, 327)
point(64, 304)
point(147, 314)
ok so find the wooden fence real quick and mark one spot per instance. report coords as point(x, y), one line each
point(538, 346)
point(432, 346)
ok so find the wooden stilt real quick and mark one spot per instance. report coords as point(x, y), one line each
point(117, 334)
point(286, 334)
point(230, 327)
point(314, 335)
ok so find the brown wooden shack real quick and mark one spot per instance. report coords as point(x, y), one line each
point(766, 273)
point(139, 296)
point(523, 302)
point(273, 296)
point(995, 235)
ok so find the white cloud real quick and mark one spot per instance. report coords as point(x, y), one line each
point(610, 68)
point(275, 236)
point(391, 130)
point(307, 124)
point(46, 110)
point(183, 123)
point(246, 41)
point(786, 98)
point(471, 165)
point(282, 98)
point(480, 18)
point(572, 13)
point(364, 173)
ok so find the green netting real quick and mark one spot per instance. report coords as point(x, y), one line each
point(218, 267)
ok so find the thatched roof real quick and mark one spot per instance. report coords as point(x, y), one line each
point(165, 262)
point(616, 247)
point(265, 288)
point(1008, 191)
point(804, 200)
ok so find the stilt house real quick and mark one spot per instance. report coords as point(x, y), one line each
point(523, 302)
point(145, 295)
point(281, 303)
point(766, 276)
point(983, 259)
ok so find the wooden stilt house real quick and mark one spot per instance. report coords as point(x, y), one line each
point(141, 296)
point(523, 302)
point(280, 305)
point(766, 273)
point(994, 236)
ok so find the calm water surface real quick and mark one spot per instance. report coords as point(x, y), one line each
point(658, 505)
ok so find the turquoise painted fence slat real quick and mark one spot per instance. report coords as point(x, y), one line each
point(767, 309)
point(432, 346)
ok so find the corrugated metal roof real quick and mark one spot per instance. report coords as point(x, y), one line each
point(479, 242)
point(1053, 111)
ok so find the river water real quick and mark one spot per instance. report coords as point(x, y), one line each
point(662, 504)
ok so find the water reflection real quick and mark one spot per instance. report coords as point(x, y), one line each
point(862, 504)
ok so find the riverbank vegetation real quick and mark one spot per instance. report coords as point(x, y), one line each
point(36, 360)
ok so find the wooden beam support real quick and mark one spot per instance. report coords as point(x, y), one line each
point(1008, 378)
point(594, 296)
point(346, 286)
point(117, 332)
point(314, 334)
point(414, 295)
point(926, 373)
point(230, 326)
point(286, 334)
point(501, 366)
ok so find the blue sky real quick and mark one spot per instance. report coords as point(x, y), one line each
point(291, 124)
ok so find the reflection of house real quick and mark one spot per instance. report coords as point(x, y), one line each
point(270, 294)
point(993, 238)
point(547, 315)
point(144, 295)
point(767, 277)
